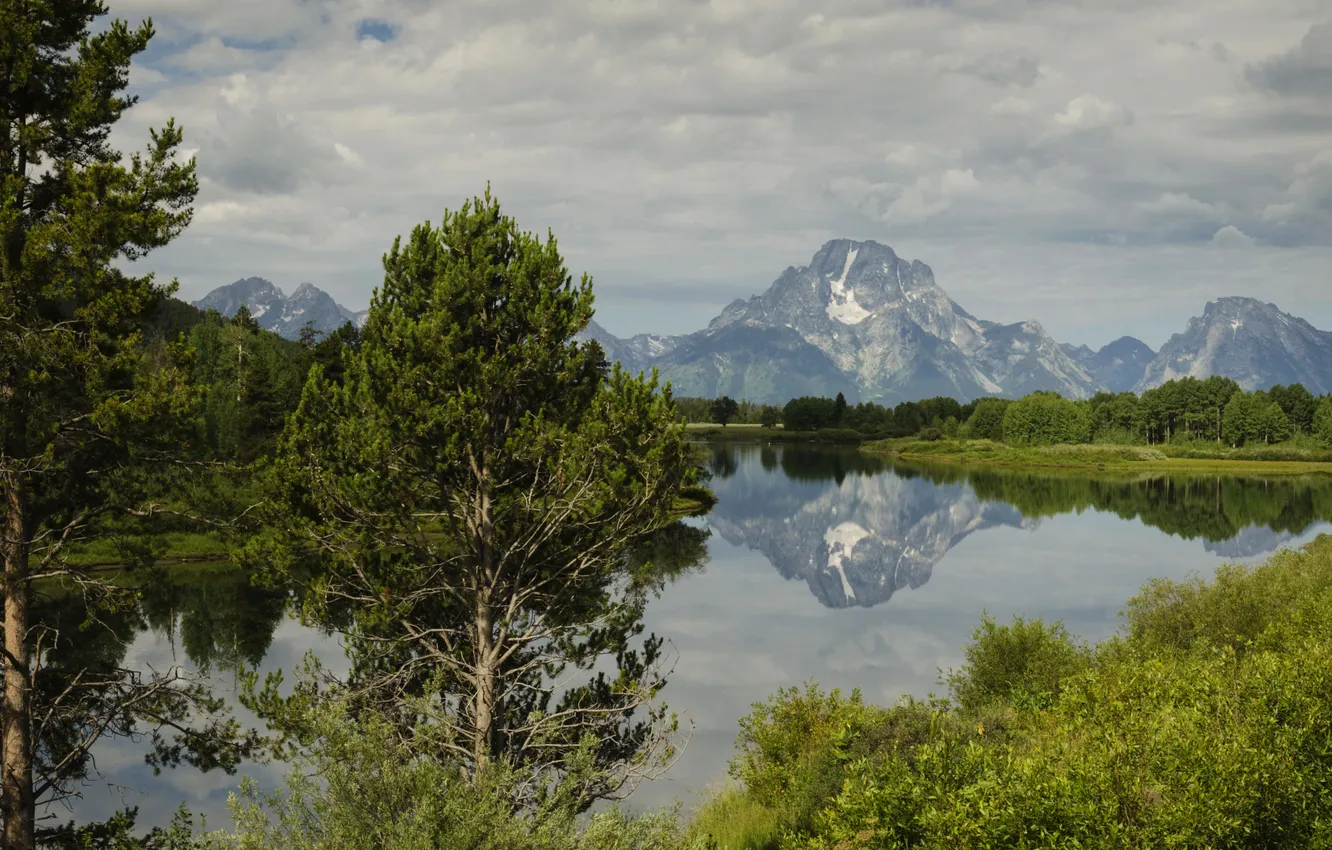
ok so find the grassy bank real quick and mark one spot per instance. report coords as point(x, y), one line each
point(1273, 460)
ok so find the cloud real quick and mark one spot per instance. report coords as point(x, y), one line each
point(1305, 69)
point(1231, 236)
point(1088, 112)
point(1304, 212)
point(1181, 204)
point(678, 149)
point(1004, 70)
point(1012, 106)
point(210, 54)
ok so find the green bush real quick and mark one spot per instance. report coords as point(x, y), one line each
point(1025, 662)
point(1045, 419)
point(733, 820)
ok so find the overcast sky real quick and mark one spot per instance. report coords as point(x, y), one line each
point(1104, 166)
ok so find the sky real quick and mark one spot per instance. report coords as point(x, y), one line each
point(1103, 166)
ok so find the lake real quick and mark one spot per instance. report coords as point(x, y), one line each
point(824, 564)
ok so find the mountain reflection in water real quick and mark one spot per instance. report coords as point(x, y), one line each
point(857, 527)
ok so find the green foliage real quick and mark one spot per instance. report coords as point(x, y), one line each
point(1025, 662)
point(476, 485)
point(733, 820)
point(1252, 418)
point(1045, 419)
point(987, 421)
point(1322, 422)
point(808, 413)
point(363, 787)
point(724, 410)
point(1186, 406)
point(1297, 403)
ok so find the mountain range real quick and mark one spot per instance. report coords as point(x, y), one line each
point(282, 314)
point(865, 322)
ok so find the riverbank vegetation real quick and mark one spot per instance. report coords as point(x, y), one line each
point(1184, 419)
point(481, 507)
point(1203, 723)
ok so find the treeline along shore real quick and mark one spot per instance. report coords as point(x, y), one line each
point(1186, 423)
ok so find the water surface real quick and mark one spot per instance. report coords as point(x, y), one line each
point(823, 564)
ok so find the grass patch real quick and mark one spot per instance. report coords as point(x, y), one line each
point(733, 820)
point(168, 547)
point(1278, 459)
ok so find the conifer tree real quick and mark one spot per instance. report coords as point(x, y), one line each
point(472, 488)
point(78, 406)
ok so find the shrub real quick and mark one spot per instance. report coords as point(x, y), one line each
point(1205, 724)
point(1044, 419)
point(1026, 662)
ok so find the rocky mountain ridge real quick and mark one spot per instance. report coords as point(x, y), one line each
point(1250, 341)
point(865, 322)
point(275, 311)
point(861, 321)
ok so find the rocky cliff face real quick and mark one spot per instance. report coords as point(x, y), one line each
point(862, 321)
point(284, 315)
point(1252, 342)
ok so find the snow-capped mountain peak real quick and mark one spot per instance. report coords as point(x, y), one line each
point(863, 321)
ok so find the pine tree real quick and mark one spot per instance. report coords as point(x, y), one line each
point(473, 487)
point(78, 405)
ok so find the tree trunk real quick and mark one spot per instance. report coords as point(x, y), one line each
point(485, 680)
point(487, 667)
point(16, 801)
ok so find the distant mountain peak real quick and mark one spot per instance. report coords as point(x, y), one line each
point(273, 310)
point(1251, 341)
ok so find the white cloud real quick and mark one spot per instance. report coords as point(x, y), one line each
point(1012, 105)
point(348, 155)
point(1231, 236)
point(211, 54)
point(1181, 204)
point(1088, 112)
point(683, 152)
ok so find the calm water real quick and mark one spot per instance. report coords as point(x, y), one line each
point(823, 564)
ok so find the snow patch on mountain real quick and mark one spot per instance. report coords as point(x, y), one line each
point(842, 304)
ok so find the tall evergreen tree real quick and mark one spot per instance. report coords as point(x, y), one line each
point(78, 407)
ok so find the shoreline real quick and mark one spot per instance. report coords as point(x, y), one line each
point(1092, 458)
